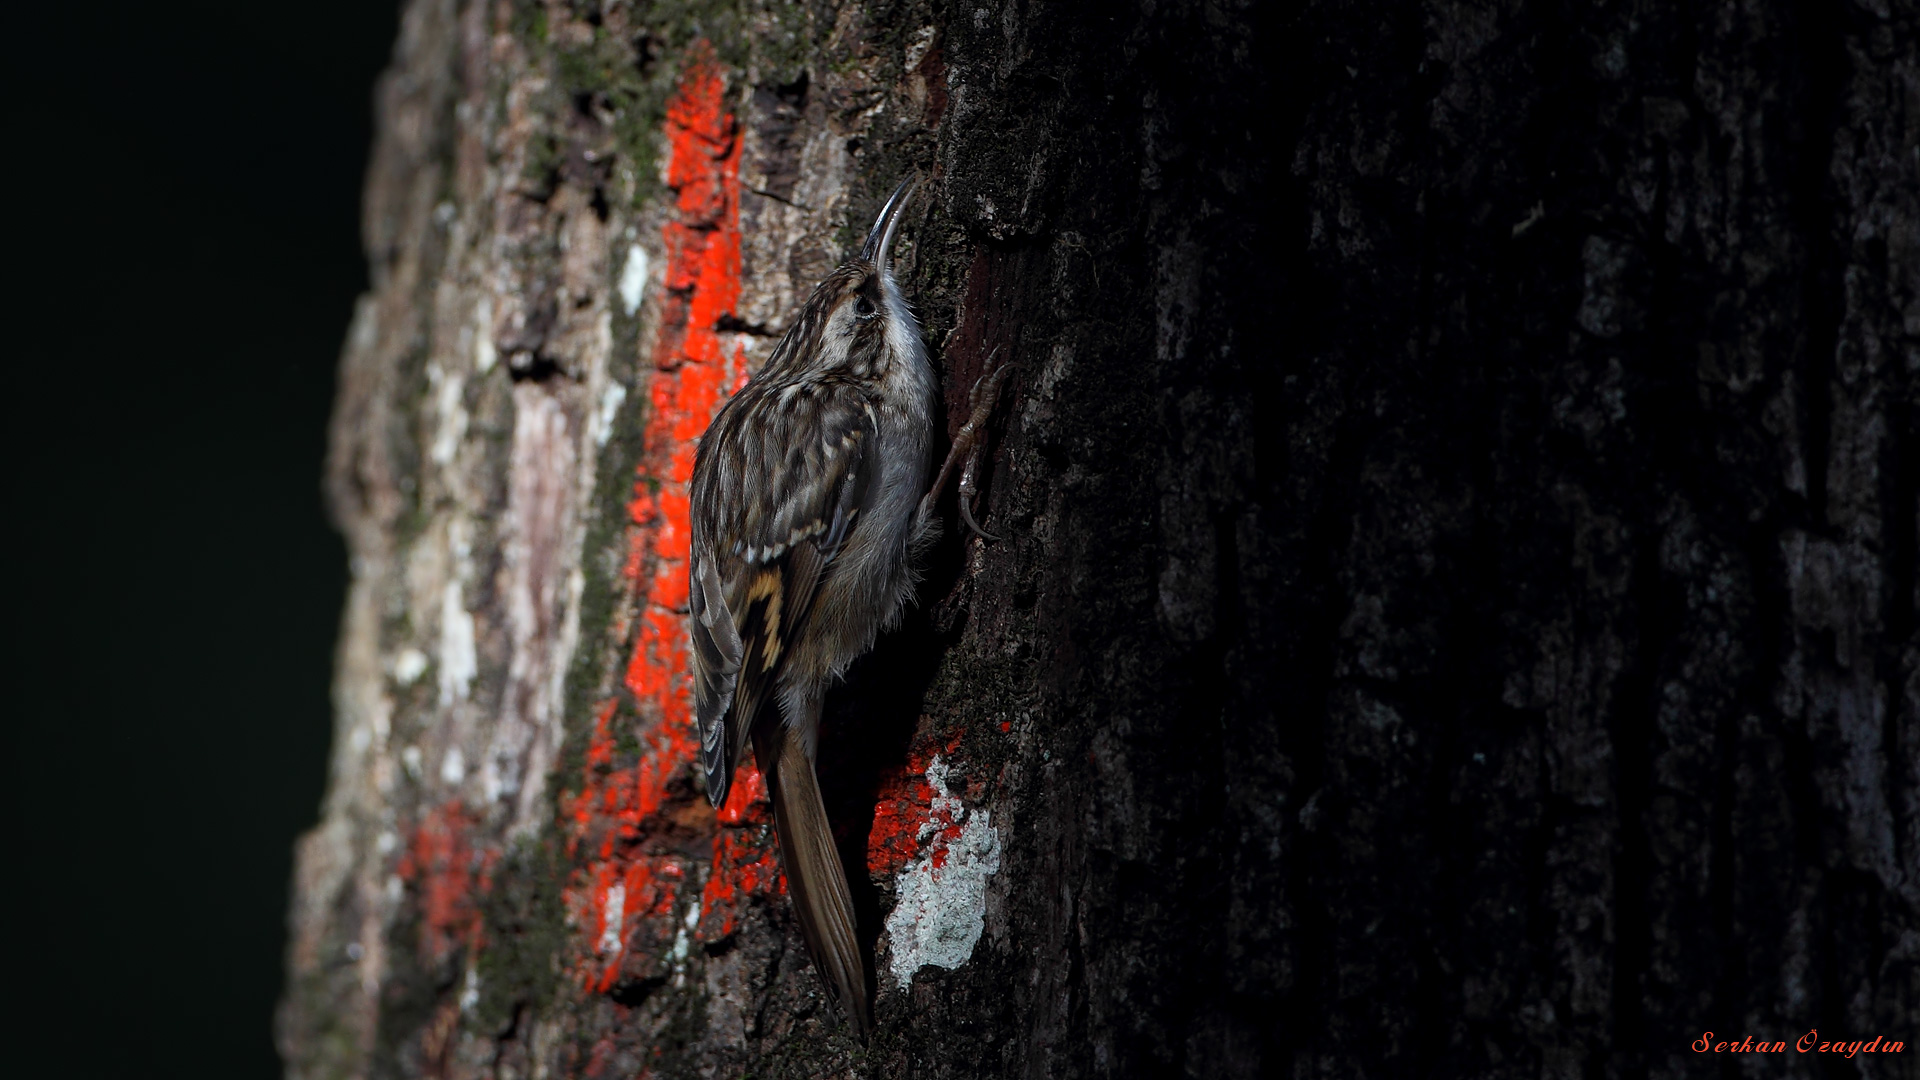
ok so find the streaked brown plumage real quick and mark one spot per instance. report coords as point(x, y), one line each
point(807, 509)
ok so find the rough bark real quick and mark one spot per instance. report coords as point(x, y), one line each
point(1457, 609)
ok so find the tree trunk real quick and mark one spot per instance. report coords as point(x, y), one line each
point(1456, 609)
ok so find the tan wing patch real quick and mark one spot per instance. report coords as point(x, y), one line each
point(766, 586)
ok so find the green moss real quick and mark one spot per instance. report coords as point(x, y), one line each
point(603, 555)
point(327, 1037)
point(676, 1050)
point(405, 444)
point(802, 1056)
point(624, 78)
point(541, 173)
point(411, 991)
point(633, 79)
point(529, 22)
point(526, 930)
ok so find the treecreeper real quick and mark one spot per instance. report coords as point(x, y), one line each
point(810, 506)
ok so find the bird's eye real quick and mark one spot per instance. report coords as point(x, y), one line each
point(863, 308)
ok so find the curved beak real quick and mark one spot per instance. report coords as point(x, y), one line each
point(880, 237)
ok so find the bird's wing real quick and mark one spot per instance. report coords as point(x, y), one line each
point(777, 489)
point(716, 660)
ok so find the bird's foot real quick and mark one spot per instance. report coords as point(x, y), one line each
point(967, 446)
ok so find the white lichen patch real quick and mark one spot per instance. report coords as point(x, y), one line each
point(484, 354)
point(633, 279)
point(613, 917)
point(449, 405)
point(611, 398)
point(942, 895)
point(459, 662)
point(409, 666)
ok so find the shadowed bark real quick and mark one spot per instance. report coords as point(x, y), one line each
point(1456, 609)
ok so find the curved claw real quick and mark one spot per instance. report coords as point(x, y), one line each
point(966, 515)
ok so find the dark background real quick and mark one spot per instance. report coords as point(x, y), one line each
point(186, 184)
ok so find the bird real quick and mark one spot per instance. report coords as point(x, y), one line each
point(809, 510)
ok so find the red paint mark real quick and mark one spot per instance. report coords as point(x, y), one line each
point(610, 820)
point(907, 820)
point(692, 363)
point(600, 1056)
point(745, 864)
point(447, 874)
point(747, 802)
point(619, 810)
point(1006, 726)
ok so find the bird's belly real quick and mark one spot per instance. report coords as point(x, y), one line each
point(872, 578)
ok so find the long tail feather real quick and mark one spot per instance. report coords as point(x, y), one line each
point(814, 873)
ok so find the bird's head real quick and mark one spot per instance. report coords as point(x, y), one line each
point(856, 322)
